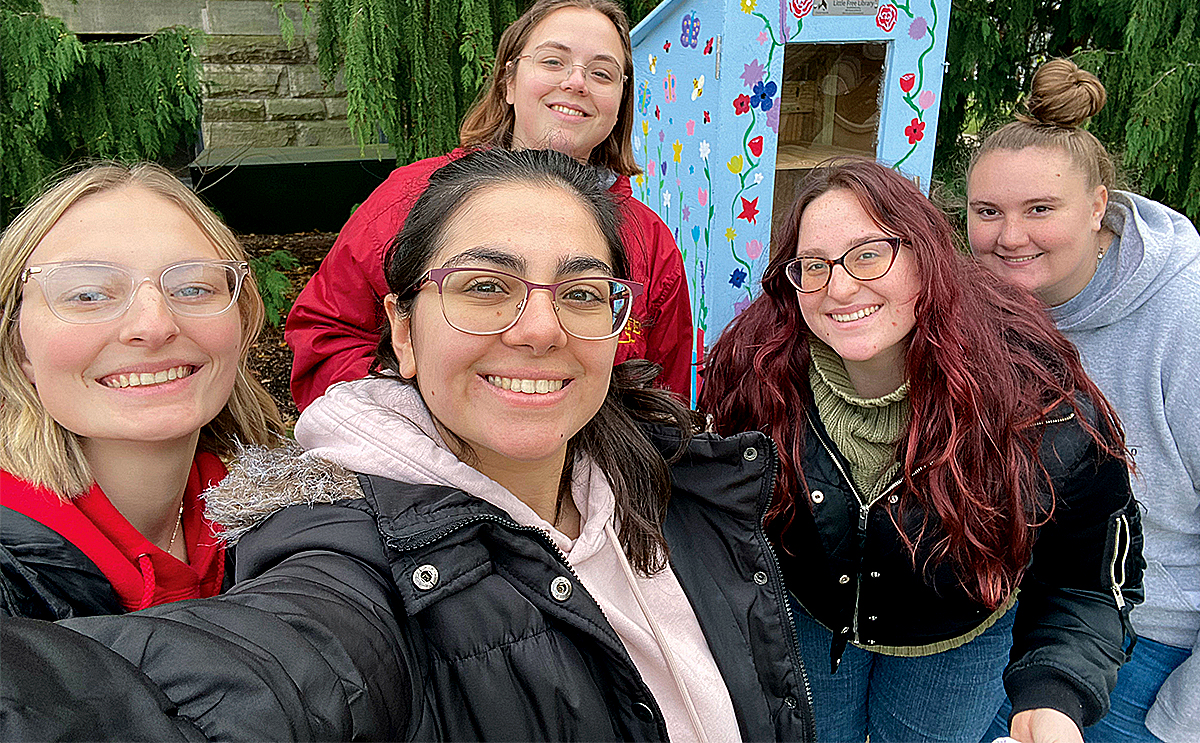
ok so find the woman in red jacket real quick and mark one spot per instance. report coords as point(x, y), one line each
point(562, 80)
point(128, 317)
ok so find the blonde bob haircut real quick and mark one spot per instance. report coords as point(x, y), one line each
point(490, 121)
point(39, 450)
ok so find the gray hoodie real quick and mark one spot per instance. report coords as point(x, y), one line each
point(1137, 327)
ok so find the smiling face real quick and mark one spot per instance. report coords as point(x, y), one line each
point(1034, 221)
point(84, 375)
point(866, 322)
point(517, 397)
point(567, 117)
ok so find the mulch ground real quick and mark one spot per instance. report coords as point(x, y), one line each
point(270, 358)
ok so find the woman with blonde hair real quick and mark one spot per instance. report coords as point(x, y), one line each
point(129, 312)
point(1121, 276)
point(562, 80)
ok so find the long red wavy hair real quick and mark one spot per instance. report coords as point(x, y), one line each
point(984, 363)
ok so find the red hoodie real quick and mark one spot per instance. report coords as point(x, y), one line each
point(141, 574)
point(333, 328)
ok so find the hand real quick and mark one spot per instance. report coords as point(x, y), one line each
point(1044, 725)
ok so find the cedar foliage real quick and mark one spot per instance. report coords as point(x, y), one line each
point(412, 68)
point(1146, 52)
point(63, 100)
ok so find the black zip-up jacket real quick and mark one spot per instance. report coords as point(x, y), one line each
point(418, 612)
point(849, 569)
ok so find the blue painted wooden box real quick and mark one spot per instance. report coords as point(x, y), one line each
point(737, 99)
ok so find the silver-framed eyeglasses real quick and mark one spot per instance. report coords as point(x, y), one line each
point(604, 77)
point(866, 262)
point(96, 291)
point(480, 301)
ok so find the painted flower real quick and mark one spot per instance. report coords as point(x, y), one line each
point(663, 167)
point(696, 234)
point(907, 81)
point(640, 179)
point(741, 104)
point(763, 37)
point(687, 213)
point(737, 279)
point(915, 131)
point(730, 234)
point(748, 6)
point(764, 95)
point(758, 178)
point(801, 8)
point(753, 249)
point(662, 135)
point(705, 149)
point(645, 128)
point(773, 119)
point(667, 199)
point(702, 196)
point(749, 210)
point(690, 127)
point(753, 73)
point(644, 97)
point(918, 28)
point(678, 148)
point(925, 100)
point(697, 87)
point(734, 164)
point(740, 306)
point(885, 17)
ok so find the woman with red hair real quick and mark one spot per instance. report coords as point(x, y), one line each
point(939, 448)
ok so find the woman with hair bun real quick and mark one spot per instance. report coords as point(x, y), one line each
point(940, 449)
point(1121, 276)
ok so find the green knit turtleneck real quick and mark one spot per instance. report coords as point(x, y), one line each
point(864, 430)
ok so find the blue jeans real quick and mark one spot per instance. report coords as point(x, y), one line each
point(1137, 685)
point(948, 696)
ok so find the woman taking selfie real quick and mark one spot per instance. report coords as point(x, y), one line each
point(562, 80)
point(1121, 276)
point(481, 542)
point(940, 449)
point(128, 317)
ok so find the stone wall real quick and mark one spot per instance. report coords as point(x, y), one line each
point(258, 90)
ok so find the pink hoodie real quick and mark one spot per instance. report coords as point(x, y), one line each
point(382, 427)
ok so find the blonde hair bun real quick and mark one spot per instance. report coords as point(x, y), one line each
point(1064, 94)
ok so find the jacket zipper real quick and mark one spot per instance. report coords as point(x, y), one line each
point(781, 590)
point(864, 514)
point(1121, 549)
point(543, 537)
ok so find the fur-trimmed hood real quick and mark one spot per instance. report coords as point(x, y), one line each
point(264, 480)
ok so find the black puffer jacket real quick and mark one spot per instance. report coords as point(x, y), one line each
point(850, 571)
point(422, 613)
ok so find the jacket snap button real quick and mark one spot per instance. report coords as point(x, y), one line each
point(750, 454)
point(560, 588)
point(790, 702)
point(874, 573)
point(642, 711)
point(844, 579)
point(817, 496)
point(870, 642)
point(872, 618)
point(760, 578)
point(893, 499)
point(425, 577)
